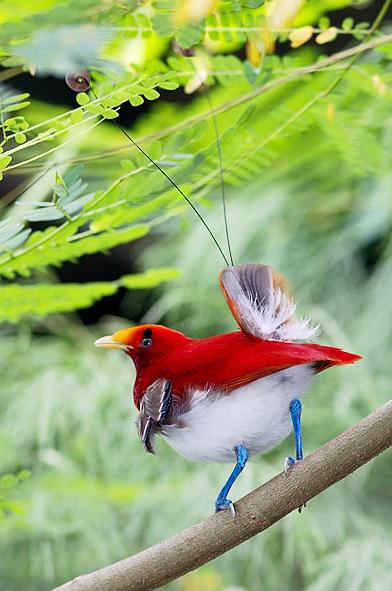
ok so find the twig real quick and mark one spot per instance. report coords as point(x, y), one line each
point(266, 505)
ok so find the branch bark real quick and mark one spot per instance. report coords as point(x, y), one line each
point(260, 509)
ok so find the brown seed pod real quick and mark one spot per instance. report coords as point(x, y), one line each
point(79, 82)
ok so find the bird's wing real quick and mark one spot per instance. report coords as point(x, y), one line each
point(229, 361)
point(279, 356)
point(154, 408)
point(259, 300)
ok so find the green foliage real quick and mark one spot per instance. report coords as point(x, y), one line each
point(142, 197)
point(43, 299)
point(8, 505)
point(66, 200)
point(151, 278)
point(12, 235)
point(56, 245)
point(13, 103)
point(12, 125)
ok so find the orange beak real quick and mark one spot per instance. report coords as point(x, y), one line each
point(118, 340)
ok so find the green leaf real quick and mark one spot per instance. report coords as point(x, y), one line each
point(130, 214)
point(151, 94)
point(163, 24)
point(4, 161)
point(55, 250)
point(250, 72)
point(95, 109)
point(43, 299)
point(348, 24)
point(73, 174)
point(76, 116)
point(169, 85)
point(189, 35)
point(73, 205)
point(12, 234)
point(20, 138)
point(60, 190)
point(16, 98)
point(324, 22)
point(110, 114)
point(66, 201)
point(44, 212)
point(18, 239)
point(15, 107)
point(82, 98)
point(151, 278)
point(136, 100)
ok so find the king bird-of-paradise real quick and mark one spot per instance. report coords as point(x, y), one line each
point(231, 396)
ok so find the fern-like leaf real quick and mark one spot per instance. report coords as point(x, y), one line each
point(42, 299)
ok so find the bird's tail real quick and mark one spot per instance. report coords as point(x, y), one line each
point(259, 300)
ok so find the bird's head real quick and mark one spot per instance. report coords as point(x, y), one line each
point(145, 343)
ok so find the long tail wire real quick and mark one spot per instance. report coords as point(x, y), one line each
point(174, 184)
point(222, 180)
point(180, 191)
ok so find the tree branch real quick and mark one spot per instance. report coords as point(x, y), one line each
point(260, 509)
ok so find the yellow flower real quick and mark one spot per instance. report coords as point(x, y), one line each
point(300, 36)
point(327, 35)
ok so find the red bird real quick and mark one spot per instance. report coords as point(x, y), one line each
point(231, 395)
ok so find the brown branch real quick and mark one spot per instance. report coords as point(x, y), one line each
point(217, 534)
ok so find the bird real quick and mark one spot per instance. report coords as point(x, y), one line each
point(232, 396)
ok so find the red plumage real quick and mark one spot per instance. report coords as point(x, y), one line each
point(225, 361)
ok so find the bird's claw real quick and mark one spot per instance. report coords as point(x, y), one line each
point(221, 505)
point(288, 463)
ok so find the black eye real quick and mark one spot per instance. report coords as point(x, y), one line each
point(147, 338)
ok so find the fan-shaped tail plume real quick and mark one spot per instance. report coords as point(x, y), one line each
point(259, 301)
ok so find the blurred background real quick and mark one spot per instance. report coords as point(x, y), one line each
point(307, 168)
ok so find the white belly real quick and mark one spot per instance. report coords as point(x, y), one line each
point(257, 415)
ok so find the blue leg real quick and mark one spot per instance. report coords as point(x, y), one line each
point(222, 502)
point(295, 411)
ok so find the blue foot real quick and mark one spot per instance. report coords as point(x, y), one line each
point(222, 502)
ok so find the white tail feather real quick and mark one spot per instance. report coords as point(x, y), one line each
point(274, 320)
